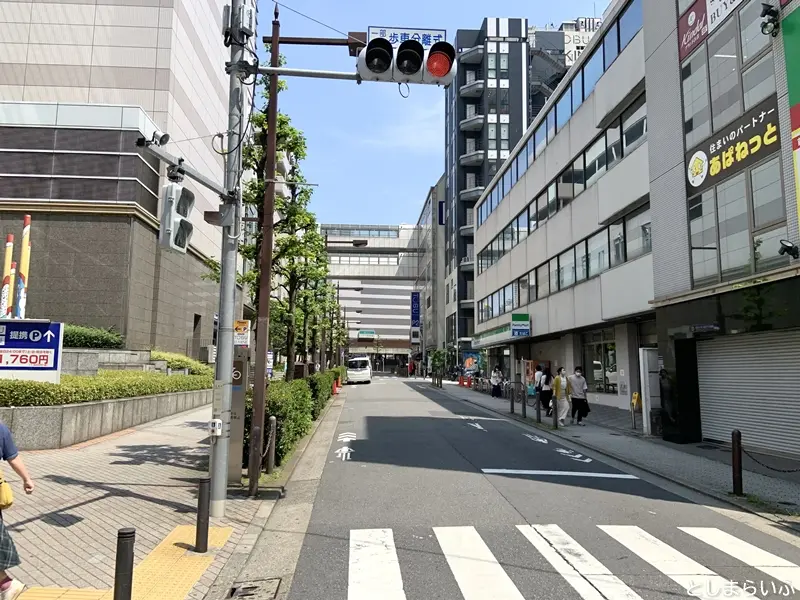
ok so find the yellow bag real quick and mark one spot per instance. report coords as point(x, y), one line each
point(6, 493)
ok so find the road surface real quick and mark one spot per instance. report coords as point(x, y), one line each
point(425, 497)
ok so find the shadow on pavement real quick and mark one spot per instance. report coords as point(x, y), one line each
point(185, 457)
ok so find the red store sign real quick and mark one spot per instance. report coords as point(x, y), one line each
point(692, 28)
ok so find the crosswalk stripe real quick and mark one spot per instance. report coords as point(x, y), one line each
point(374, 570)
point(692, 576)
point(476, 570)
point(590, 578)
point(774, 566)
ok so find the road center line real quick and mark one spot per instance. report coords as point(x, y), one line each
point(558, 473)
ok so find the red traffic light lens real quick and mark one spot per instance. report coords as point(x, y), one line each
point(439, 64)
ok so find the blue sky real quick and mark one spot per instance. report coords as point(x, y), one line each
point(373, 153)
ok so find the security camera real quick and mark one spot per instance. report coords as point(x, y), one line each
point(789, 248)
point(769, 16)
point(160, 138)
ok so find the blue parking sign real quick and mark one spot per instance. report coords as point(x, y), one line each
point(31, 349)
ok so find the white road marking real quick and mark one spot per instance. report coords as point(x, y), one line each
point(374, 570)
point(535, 438)
point(774, 566)
point(476, 570)
point(581, 570)
point(347, 436)
point(559, 473)
point(344, 452)
point(698, 581)
point(476, 426)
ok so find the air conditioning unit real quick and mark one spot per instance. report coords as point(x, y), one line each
point(208, 354)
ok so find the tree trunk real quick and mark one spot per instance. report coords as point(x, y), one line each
point(291, 337)
point(314, 349)
point(305, 327)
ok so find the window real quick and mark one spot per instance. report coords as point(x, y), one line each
point(578, 176)
point(617, 235)
point(600, 361)
point(542, 203)
point(522, 286)
point(513, 170)
point(566, 268)
point(696, 110)
point(630, 23)
point(504, 66)
point(508, 238)
point(723, 66)
point(703, 232)
point(613, 145)
point(766, 258)
point(565, 191)
point(592, 71)
point(611, 44)
point(638, 233)
point(551, 124)
point(508, 293)
point(552, 200)
point(491, 100)
point(504, 95)
point(595, 161)
point(563, 110)
point(598, 253)
point(529, 148)
point(577, 91)
point(504, 139)
point(522, 225)
point(634, 125)
point(734, 233)
point(768, 204)
point(759, 81)
point(540, 138)
point(532, 217)
point(553, 275)
point(522, 161)
point(753, 41)
point(543, 279)
point(581, 262)
point(491, 66)
point(532, 286)
point(507, 175)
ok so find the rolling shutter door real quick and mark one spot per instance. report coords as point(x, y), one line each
point(750, 382)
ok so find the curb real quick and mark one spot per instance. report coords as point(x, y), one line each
point(774, 518)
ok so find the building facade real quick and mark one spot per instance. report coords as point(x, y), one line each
point(80, 82)
point(375, 281)
point(430, 270)
point(636, 228)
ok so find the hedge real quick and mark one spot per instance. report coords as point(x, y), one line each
point(106, 385)
point(78, 336)
point(321, 389)
point(179, 361)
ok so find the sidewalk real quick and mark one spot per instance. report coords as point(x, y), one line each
point(702, 467)
point(144, 478)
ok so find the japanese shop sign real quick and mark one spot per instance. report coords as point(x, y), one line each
point(747, 140)
point(692, 28)
point(397, 35)
point(790, 27)
point(719, 10)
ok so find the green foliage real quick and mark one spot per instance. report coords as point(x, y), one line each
point(340, 373)
point(321, 390)
point(179, 361)
point(78, 336)
point(291, 404)
point(438, 358)
point(106, 385)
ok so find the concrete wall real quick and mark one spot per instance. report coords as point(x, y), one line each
point(50, 427)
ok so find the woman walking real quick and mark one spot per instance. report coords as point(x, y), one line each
point(10, 588)
point(496, 380)
point(546, 393)
point(561, 390)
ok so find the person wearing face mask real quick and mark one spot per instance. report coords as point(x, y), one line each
point(578, 387)
point(561, 393)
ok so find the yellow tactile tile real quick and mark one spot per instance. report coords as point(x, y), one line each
point(169, 572)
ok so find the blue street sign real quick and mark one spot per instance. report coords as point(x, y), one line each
point(31, 349)
point(398, 35)
point(415, 320)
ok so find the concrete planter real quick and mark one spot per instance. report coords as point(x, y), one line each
point(49, 427)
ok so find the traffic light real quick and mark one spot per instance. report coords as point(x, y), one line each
point(409, 63)
point(176, 228)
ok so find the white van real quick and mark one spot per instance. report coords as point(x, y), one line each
point(359, 370)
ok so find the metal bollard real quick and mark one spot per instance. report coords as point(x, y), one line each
point(203, 503)
point(555, 411)
point(538, 407)
point(271, 447)
point(524, 401)
point(510, 396)
point(123, 569)
point(736, 461)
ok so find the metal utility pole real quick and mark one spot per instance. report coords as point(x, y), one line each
point(261, 382)
point(338, 329)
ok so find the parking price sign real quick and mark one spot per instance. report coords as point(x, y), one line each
point(31, 349)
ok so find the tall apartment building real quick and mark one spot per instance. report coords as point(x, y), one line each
point(430, 270)
point(80, 81)
point(636, 229)
point(375, 281)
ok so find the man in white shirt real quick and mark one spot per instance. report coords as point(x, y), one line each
point(579, 388)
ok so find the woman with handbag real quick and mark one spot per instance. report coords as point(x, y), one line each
point(10, 588)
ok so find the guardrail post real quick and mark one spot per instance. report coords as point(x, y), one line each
point(538, 406)
point(271, 447)
point(736, 461)
point(524, 392)
point(555, 411)
point(203, 503)
point(123, 568)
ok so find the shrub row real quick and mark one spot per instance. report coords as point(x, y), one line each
point(77, 336)
point(179, 361)
point(295, 405)
point(106, 385)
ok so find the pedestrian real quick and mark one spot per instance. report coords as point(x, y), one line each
point(546, 390)
point(561, 391)
point(578, 387)
point(10, 588)
point(496, 380)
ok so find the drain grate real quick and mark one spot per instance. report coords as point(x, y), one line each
point(259, 589)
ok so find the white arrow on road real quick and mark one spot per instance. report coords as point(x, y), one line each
point(535, 438)
point(344, 452)
point(476, 426)
point(49, 335)
point(573, 456)
point(346, 437)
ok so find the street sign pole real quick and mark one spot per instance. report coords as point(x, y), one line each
point(241, 379)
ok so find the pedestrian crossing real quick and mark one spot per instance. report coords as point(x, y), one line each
point(375, 570)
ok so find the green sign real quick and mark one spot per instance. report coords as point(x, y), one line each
point(366, 334)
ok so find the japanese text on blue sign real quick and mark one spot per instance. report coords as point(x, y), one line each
point(398, 35)
point(415, 309)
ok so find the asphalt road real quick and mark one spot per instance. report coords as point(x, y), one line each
point(433, 499)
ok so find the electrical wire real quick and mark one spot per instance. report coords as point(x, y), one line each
point(318, 22)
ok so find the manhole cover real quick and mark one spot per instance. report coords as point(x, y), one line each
point(260, 589)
